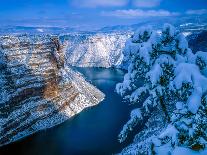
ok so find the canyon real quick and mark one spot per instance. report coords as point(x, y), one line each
point(38, 90)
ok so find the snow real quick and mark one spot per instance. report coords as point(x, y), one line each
point(194, 101)
point(187, 151)
point(136, 113)
point(203, 57)
point(135, 116)
point(126, 85)
point(179, 105)
point(137, 93)
point(183, 74)
point(189, 73)
point(40, 30)
point(166, 150)
point(155, 38)
point(166, 64)
point(165, 59)
point(183, 43)
point(170, 132)
point(155, 74)
point(143, 52)
point(187, 33)
point(190, 56)
point(186, 24)
point(169, 29)
point(142, 31)
point(95, 50)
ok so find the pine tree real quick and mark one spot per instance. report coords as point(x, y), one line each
point(174, 82)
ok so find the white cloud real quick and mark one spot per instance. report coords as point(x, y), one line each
point(138, 13)
point(196, 12)
point(115, 3)
point(146, 3)
point(99, 3)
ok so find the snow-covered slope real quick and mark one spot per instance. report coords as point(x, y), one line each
point(95, 50)
point(37, 89)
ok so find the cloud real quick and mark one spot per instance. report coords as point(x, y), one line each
point(99, 3)
point(146, 3)
point(115, 3)
point(196, 12)
point(138, 13)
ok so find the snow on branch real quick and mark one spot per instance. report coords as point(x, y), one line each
point(175, 80)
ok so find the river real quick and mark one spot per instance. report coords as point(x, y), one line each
point(93, 131)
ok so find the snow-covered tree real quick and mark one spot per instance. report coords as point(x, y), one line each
point(174, 82)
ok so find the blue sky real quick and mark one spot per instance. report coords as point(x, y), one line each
point(94, 13)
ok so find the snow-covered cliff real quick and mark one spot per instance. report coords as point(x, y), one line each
point(37, 89)
point(95, 50)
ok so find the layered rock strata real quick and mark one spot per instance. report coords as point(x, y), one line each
point(37, 90)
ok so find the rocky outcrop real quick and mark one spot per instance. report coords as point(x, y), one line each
point(37, 90)
point(95, 50)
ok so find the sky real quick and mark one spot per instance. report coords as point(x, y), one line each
point(94, 13)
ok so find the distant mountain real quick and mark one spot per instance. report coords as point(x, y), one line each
point(185, 24)
point(34, 30)
point(192, 24)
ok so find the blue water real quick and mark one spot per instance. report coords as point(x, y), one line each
point(93, 131)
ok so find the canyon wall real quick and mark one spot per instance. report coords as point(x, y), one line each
point(37, 89)
point(95, 50)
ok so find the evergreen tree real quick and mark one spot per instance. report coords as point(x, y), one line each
point(173, 81)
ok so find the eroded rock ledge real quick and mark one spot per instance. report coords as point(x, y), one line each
point(37, 90)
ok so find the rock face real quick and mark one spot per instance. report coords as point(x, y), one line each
point(95, 50)
point(37, 91)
